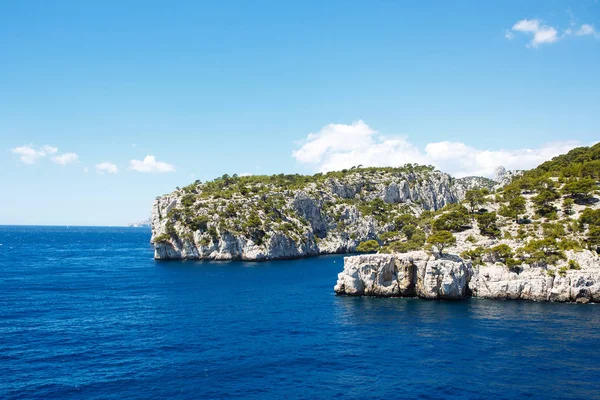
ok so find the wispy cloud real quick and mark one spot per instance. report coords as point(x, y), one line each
point(106, 167)
point(339, 146)
point(541, 33)
point(29, 154)
point(149, 164)
point(587, 30)
point(66, 158)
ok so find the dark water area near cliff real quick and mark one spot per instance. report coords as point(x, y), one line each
point(87, 313)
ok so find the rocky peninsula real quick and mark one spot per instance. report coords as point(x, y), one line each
point(423, 275)
point(523, 235)
point(288, 216)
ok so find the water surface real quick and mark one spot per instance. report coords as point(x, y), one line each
point(87, 313)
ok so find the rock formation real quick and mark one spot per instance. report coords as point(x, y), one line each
point(288, 216)
point(417, 274)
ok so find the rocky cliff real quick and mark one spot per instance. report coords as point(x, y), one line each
point(287, 216)
point(418, 274)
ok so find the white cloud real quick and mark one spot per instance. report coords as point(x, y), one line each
point(49, 149)
point(149, 164)
point(106, 167)
point(339, 146)
point(587, 30)
point(544, 34)
point(64, 159)
point(541, 34)
point(85, 170)
point(29, 155)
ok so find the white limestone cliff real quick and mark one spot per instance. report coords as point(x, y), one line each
point(326, 216)
point(417, 274)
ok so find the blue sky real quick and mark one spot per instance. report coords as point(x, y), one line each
point(207, 88)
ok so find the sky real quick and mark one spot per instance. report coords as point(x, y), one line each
point(106, 105)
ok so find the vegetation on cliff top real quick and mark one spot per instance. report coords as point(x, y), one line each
point(534, 219)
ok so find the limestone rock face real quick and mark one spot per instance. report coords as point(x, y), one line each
point(495, 281)
point(319, 217)
point(444, 278)
point(450, 277)
point(403, 275)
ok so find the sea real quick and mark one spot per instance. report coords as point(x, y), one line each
point(87, 313)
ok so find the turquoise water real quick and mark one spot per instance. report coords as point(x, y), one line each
point(87, 313)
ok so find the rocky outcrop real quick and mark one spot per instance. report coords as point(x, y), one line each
point(417, 274)
point(404, 275)
point(496, 281)
point(254, 219)
point(504, 177)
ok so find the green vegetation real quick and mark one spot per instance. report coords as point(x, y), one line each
point(441, 240)
point(580, 190)
point(454, 221)
point(487, 224)
point(369, 246)
point(534, 220)
point(164, 238)
point(475, 198)
point(516, 206)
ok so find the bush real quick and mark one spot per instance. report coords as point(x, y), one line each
point(188, 200)
point(513, 264)
point(501, 252)
point(475, 255)
point(515, 207)
point(164, 238)
point(580, 189)
point(199, 223)
point(475, 197)
point(574, 265)
point(441, 239)
point(454, 221)
point(369, 246)
point(388, 237)
point(545, 251)
point(487, 224)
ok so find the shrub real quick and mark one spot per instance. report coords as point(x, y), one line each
point(388, 237)
point(487, 224)
point(501, 252)
point(475, 255)
point(580, 189)
point(515, 207)
point(544, 202)
point(544, 250)
point(441, 239)
point(568, 206)
point(212, 231)
point(199, 223)
point(513, 263)
point(454, 221)
point(405, 220)
point(188, 200)
point(369, 246)
point(574, 265)
point(164, 238)
point(474, 198)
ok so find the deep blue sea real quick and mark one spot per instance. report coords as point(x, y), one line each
point(87, 313)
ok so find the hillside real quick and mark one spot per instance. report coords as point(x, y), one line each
point(285, 216)
point(541, 218)
point(537, 238)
